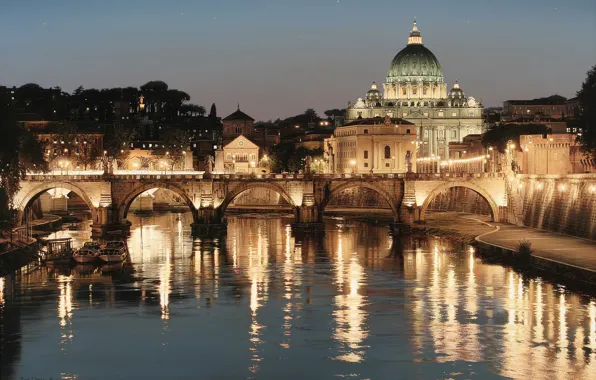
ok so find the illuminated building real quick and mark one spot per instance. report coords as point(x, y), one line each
point(415, 90)
point(372, 146)
point(241, 156)
point(239, 123)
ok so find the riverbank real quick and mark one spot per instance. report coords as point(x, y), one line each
point(460, 227)
point(557, 255)
point(562, 255)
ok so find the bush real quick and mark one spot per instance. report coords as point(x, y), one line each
point(524, 248)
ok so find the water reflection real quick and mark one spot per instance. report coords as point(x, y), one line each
point(266, 301)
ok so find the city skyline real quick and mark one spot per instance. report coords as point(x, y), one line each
point(298, 56)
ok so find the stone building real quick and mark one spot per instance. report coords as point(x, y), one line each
point(241, 156)
point(553, 106)
point(239, 123)
point(548, 154)
point(415, 90)
point(236, 124)
point(373, 145)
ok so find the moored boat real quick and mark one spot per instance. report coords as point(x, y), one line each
point(58, 251)
point(113, 252)
point(87, 253)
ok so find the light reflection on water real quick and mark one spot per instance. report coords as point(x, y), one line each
point(264, 302)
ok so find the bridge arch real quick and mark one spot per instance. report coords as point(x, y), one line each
point(124, 206)
point(32, 194)
point(241, 188)
point(449, 185)
point(350, 185)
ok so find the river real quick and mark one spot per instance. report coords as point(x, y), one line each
point(266, 303)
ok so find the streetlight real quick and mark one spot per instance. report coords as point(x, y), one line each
point(353, 163)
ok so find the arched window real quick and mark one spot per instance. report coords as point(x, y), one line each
point(387, 151)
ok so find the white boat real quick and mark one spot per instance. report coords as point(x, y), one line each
point(87, 253)
point(113, 252)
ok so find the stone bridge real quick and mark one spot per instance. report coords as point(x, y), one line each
point(409, 195)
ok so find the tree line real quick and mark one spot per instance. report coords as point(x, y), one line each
point(161, 103)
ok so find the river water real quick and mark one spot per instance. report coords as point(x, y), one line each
point(266, 303)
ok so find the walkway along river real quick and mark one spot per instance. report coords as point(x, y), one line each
point(264, 302)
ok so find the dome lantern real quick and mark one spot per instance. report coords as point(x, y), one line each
point(415, 37)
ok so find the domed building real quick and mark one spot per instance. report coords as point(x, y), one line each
point(415, 90)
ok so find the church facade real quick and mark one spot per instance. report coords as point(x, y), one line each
point(415, 90)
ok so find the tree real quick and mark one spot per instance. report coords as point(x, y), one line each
point(192, 110)
point(175, 143)
point(587, 116)
point(88, 153)
point(335, 112)
point(286, 157)
point(155, 93)
point(311, 115)
point(499, 136)
point(117, 143)
point(20, 152)
point(213, 112)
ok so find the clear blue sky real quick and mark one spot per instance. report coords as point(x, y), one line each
point(279, 57)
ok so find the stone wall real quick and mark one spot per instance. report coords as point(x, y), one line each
point(460, 199)
point(359, 198)
point(565, 203)
point(259, 196)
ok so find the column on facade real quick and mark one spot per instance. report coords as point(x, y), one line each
point(445, 143)
point(431, 148)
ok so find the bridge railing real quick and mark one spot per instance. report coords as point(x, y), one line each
point(251, 177)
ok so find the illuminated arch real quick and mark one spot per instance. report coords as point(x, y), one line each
point(446, 186)
point(350, 185)
point(124, 206)
point(241, 188)
point(32, 194)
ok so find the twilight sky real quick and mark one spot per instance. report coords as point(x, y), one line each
point(279, 57)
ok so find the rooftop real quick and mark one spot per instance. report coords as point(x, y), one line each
point(377, 121)
point(551, 100)
point(238, 115)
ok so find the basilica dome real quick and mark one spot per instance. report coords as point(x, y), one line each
point(415, 62)
point(456, 92)
point(373, 95)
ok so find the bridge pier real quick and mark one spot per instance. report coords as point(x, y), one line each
point(308, 218)
point(209, 221)
point(106, 220)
